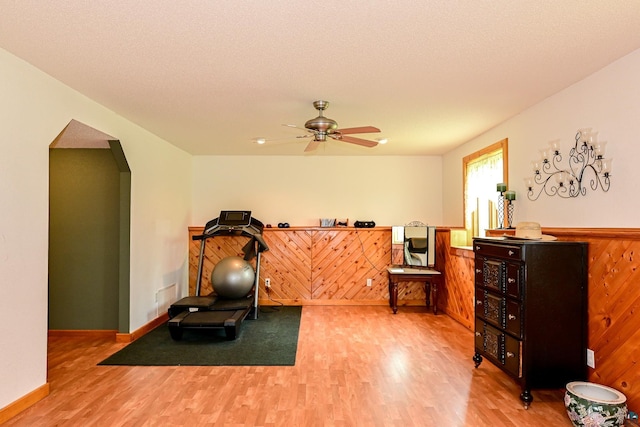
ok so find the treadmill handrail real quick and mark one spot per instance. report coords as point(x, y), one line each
point(250, 249)
point(227, 231)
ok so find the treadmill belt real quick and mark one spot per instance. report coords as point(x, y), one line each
point(207, 318)
point(231, 304)
point(195, 302)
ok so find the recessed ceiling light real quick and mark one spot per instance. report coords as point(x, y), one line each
point(260, 141)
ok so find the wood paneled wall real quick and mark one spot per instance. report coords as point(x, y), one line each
point(330, 266)
point(313, 265)
point(457, 296)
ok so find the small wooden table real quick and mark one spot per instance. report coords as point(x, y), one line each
point(430, 278)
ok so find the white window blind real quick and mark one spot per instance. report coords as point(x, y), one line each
point(481, 197)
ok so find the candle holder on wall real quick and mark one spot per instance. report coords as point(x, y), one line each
point(510, 197)
point(586, 164)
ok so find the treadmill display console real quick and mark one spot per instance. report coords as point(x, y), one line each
point(235, 218)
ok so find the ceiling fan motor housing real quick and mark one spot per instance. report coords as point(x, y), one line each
point(322, 125)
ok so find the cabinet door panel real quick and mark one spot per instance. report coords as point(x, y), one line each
point(493, 343)
point(479, 335)
point(513, 284)
point(479, 270)
point(494, 309)
point(480, 302)
point(511, 358)
point(492, 274)
point(514, 318)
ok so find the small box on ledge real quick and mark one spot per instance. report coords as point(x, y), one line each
point(327, 222)
point(342, 222)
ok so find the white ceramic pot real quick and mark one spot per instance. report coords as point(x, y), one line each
point(594, 405)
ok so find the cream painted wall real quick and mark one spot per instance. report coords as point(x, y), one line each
point(608, 102)
point(301, 189)
point(34, 108)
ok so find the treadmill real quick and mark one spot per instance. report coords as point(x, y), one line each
point(212, 311)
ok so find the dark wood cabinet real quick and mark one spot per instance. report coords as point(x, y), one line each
point(531, 310)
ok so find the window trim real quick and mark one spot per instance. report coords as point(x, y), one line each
point(502, 144)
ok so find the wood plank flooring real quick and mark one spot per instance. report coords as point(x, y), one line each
point(356, 366)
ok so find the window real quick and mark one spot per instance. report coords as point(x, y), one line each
point(482, 170)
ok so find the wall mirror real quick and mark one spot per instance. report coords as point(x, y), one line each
point(413, 246)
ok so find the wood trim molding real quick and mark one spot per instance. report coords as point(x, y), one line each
point(384, 302)
point(200, 229)
point(95, 333)
point(461, 252)
point(607, 233)
point(126, 338)
point(113, 334)
point(585, 233)
point(29, 399)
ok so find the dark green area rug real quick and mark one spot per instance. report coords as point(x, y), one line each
point(270, 340)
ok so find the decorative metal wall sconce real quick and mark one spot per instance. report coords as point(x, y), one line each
point(587, 166)
point(510, 197)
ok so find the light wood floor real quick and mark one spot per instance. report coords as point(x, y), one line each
point(356, 366)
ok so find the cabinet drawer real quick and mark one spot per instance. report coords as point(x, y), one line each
point(501, 250)
point(499, 311)
point(501, 276)
point(499, 347)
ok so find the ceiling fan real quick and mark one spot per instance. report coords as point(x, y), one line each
point(323, 127)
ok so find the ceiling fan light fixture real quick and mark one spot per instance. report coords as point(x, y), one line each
point(382, 140)
point(320, 136)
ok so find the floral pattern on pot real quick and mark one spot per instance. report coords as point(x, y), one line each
point(587, 413)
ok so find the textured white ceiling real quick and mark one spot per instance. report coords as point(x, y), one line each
point(211, 76)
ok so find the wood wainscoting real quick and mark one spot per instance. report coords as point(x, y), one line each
point(457, 297)
point(314, 266)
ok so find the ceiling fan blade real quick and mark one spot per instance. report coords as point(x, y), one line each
point(362, 129)
point(299, 128)
point(354, 140)
point(292, 126)
point(312, 146)
point(270, 141)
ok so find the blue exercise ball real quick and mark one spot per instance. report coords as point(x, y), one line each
point(232, 277)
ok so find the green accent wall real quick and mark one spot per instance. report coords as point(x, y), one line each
point(84, 239)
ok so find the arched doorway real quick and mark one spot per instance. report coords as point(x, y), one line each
point(89, 202)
